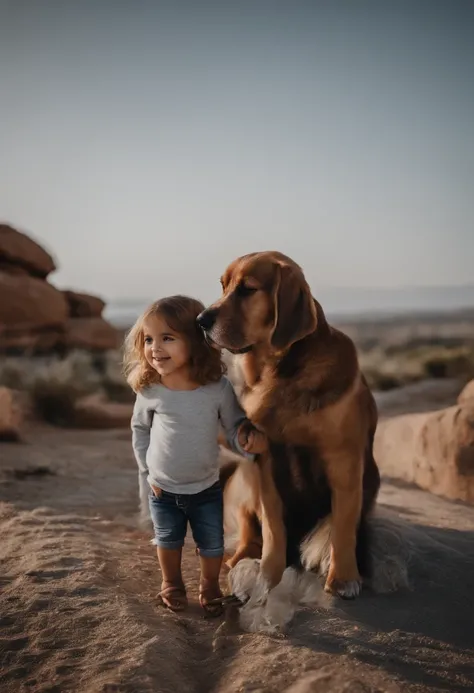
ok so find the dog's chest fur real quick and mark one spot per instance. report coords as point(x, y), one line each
point(291, 395)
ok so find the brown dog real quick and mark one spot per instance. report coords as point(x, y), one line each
point(304, 389)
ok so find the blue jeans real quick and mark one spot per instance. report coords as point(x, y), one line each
point(171, 512)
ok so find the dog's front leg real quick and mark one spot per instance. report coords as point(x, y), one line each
point(345, 478)
point(261, 409)
point(273, 527)
point(249, 543)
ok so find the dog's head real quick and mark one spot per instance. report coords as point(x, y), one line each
point(266, 300)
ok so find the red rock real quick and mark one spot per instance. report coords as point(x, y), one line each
point(19, 249)
point(27, 303)
point(433, 450)
point(94, 411)
point(467, 393)
point(94, 334)
point(30, 341)
point(10, 416)
point(84, 305)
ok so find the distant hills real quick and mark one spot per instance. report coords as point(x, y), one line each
point(344, 304)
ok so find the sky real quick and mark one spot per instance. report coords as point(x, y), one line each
point(147, 144)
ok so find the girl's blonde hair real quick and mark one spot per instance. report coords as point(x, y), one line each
point(179, 313)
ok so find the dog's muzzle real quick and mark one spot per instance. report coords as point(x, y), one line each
point(207, 318)
point(206, 321)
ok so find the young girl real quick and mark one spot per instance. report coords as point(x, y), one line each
point(182, 395)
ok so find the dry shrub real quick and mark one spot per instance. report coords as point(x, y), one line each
point(54, 402)
point(450, 363)
point(55, 384)
point(59, 384)
point(386, 370)
point(114, 384)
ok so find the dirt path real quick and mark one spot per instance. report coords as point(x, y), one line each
point(78, 583)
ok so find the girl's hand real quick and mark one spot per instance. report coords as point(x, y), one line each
point(156, 491)
point(252, 440)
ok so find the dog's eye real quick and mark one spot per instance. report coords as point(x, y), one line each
point(245, 290)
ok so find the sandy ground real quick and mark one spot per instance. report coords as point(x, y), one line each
point(78, 582)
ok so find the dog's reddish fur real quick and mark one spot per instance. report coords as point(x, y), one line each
point(303, 387)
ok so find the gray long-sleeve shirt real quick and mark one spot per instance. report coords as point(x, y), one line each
point(174, 434)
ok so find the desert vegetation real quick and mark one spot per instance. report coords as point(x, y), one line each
point(391, 356)
point(403, 349)
point(52, 386)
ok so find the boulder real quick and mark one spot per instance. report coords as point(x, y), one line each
point(433, 450)
point(95, 411)
point(18, 249)
point(10, 416)
point(27, 302)
point(93, 334)
point(84, 305)
point(30, 341)
point(467, 393)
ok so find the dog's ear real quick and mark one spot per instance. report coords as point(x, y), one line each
point(295, 311)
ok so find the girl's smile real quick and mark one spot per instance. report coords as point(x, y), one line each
point(167, 352)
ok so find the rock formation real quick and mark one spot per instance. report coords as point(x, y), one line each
point(11, 416)
point(36, 317)
point(434, 450)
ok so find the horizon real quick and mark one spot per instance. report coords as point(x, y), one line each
point(147, 149)
point(402, 302)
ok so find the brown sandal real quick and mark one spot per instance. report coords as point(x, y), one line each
point(210, 600)
point(174, 597)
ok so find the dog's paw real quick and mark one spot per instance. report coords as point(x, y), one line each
point(261, 590)
point(272, 568)
point(346, 589)
point(243, 577)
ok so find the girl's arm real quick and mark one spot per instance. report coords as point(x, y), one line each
point(141, 426)
point(232, 416)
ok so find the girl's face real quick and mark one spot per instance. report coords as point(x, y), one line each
point(166, 351)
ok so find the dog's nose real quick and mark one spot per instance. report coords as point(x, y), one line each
point(207, 318)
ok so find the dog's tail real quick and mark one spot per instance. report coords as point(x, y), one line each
point(383, 551)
